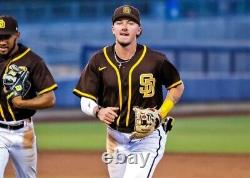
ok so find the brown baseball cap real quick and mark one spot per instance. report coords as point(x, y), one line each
point(127, 11)
point(8, 25)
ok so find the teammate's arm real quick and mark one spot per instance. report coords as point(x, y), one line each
point(173, 96)
point(45, 100)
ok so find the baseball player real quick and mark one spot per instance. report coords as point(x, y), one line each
point(122, 86)
point(26, 85)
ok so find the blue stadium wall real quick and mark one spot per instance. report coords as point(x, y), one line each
point(207, 77)
point(196, 90)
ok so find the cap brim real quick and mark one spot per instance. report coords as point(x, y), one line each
point(6, 33)
point(133, 18)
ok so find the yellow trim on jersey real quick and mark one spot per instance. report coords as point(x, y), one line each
point(118, 80)
point(47, 89)
point(130, 83)
point(175, 84)
point(85, 94)
point(11, 112)
point(5, 71)
point(1, 112)
point(16, 58)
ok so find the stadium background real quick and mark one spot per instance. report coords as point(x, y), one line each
point(207, 40)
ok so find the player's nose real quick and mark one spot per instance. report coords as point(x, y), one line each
point(124, 28)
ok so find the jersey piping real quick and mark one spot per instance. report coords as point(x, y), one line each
point(175, 84)
point(85, 94)
point(6, 69)
point(48, 89)
point(118, 80)
point(16, 58)
point(1, 112)
point(130, 83)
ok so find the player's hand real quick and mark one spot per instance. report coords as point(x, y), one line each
point(108, 115)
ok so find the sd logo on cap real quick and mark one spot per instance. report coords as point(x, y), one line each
point(127, 11)
point(8, 25)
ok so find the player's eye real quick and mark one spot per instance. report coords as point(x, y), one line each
point(131, 22)
point(118, 22)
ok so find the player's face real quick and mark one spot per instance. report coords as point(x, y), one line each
point(7, 43)
point(126, 31)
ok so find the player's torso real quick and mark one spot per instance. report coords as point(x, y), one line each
point(23, 58)
point(135, 83)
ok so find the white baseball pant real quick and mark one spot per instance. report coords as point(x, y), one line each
point(20, 146)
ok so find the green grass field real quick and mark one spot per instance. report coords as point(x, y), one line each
point(194, 135)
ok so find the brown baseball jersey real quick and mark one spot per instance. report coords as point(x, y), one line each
point(137, 83)
point(39, 76)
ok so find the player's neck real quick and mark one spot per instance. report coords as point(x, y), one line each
point(127, 52)
point(14, 50)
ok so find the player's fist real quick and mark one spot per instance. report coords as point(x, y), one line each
point(108, 114)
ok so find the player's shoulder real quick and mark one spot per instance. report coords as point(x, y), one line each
point(155, 54)
point(30, 54)
point(99, 54)
point(36, 57)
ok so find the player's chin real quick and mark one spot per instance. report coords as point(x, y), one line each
point(124, 43)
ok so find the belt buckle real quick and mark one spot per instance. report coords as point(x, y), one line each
point(8, 127)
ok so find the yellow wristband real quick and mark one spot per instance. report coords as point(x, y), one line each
point(166, 106)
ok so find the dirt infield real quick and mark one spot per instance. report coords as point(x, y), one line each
point(89, 165)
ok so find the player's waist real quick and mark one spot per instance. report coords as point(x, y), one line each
point(15, 125)
point(123, 129)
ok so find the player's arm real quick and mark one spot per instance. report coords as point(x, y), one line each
point(45, 100)
point(91, 108)
point(173, 96)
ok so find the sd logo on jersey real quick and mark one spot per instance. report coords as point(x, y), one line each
point(147, 82)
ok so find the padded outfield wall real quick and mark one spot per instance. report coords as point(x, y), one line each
point(210, 73)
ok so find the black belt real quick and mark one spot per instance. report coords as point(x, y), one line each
point(12, 127)
point(124, 129)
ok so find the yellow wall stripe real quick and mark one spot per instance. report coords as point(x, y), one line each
point(175, 84)
point(85, 94)
point(1, 112)
point(118, 80)
point(47, 89)
point(130, 83)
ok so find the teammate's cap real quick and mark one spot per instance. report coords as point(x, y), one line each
point(8, 25)
point(127, 11)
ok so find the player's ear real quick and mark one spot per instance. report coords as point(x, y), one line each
point(113, 32)
point(17, 34)
point(139, 32)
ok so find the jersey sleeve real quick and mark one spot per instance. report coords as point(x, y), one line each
point(42, 79)
point(88, 83)
point(170, 75)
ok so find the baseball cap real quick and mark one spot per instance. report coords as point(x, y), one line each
point(127, 11)
point(8, 25)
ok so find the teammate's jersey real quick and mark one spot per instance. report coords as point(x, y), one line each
point(137, 83)
point(39, 76)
